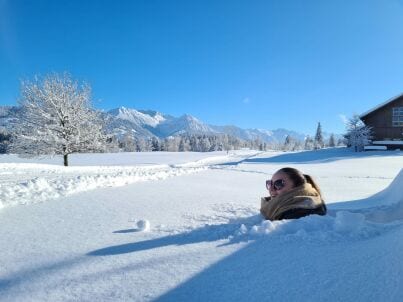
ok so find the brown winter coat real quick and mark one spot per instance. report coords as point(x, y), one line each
point(301, 201)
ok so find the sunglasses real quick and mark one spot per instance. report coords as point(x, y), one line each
point(275, 185)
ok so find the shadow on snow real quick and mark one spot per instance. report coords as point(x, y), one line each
point(203, 234)
point(269, 268)
point(314, 156)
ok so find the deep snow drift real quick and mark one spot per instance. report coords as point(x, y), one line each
point(196, 233)
point(387, 206)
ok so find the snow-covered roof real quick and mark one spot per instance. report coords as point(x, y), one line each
point(381, 105)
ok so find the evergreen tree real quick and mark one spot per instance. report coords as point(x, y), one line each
point(128, 144)
point(332, 142)
point(205, 144)
point(163, 146)
point(140, 145)
point(319, 143)
point(182, 145)
point(288, 143)
point(155, 144)
point(5, 139)
point(309, 143)
point(193, 143)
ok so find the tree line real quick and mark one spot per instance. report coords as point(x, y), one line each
point(222, 142)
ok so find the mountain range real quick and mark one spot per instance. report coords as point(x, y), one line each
point(148, 123)
point(152, 123)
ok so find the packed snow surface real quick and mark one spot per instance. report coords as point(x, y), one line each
point(186, 227)
point(24, 183)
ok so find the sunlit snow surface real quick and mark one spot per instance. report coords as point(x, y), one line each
point(186, 227)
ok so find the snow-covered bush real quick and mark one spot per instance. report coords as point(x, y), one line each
point(358, 134)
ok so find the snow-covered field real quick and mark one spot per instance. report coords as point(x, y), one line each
point(186, 227)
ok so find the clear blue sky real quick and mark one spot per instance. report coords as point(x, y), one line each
point(256, 64)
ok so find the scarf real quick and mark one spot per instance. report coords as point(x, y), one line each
point(301, 197)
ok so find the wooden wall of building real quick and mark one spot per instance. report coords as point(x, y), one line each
point(381, 121)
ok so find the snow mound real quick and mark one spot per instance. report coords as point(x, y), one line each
point(26, 183)
point(347, 222)
point(218, 160)
point(393, 194)
point(384, 206)
point(344, 225)
point(40, 189)
point(361, 223)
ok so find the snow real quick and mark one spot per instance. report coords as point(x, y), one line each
point(120, 159)
point(141, 225)
point(384, 206)
point(31, 186)
point(189, 229)
point(344, 225)
point(375, 148)
point(138, 117)
point(388, 142)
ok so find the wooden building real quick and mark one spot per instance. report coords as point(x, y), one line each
point(386, 121)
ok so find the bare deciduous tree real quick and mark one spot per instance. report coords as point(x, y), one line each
point(57, 119)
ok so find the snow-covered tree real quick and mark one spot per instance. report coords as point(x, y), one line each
point(155, 144)
point(309, 143)
point(5, 138)
point(128, 143)
point(291, 144)
point(358, 134)
point(140, 144)
point(319, 143)
point(172, 143)
point(182, 145)
point(57, 119)
point(332, 141)
point(205, 144)
point(342, 142)
point(288, 143)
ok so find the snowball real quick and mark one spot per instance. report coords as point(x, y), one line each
point(143, 225)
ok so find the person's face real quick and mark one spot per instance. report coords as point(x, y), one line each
point(284, 180)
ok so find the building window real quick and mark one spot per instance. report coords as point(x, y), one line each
point(397, 117)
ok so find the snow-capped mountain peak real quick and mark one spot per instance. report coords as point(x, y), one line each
point(266, 132)
point(184, 124)
point(138, 117)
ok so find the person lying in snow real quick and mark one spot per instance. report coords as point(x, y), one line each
point(292, 195)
